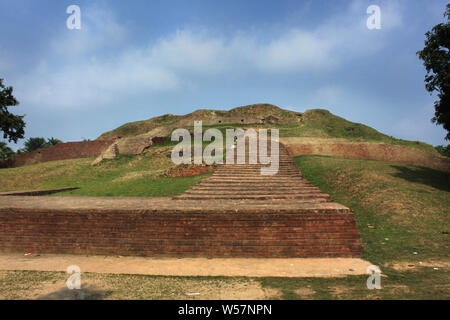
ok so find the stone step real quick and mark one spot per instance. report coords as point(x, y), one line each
point(249, 175)
point(263, 179)
point(253, 193)
point(244, 185)
point(258, 173)
point(257, 170)
point(247, 162)
point(255, 188)
point(311, 198)
point(249, 186)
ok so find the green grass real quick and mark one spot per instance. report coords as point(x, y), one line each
point(421, 283)
point(399, 209)
point(137, 176)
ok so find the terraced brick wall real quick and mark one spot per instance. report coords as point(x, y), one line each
point(178, 234)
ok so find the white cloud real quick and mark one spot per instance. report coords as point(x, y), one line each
point(88, 76)
point(99, 31)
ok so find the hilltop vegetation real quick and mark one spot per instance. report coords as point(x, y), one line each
point(316, 123)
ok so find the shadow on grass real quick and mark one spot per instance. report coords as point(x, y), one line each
point(85, 293)
point(433, 178)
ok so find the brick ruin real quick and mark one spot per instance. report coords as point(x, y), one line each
point(82, 149)
point(180, 234)
point(60, 151)
point(236, 212)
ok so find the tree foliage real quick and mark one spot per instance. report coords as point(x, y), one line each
point(53, 141)
point(445, 151)
point(436, 59)
point(34, 143)
point(5, 151)
point(37, 143)
point(11, 125)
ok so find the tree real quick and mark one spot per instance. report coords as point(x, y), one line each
point(5, 151)
point(436, 59)
point(53, 141)
point(445, 151)
point(33, 144)
point(11, 125)
point(37, 143)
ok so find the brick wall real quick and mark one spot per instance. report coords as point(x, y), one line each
point(62, 151)
point(177, 234)
point(366, 150)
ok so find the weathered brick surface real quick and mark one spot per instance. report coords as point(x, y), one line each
point(365, 150)
point(216, 235)
point(62, 151)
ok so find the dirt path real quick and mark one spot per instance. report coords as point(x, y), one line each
point(314, 267)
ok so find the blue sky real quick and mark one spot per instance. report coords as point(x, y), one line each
point(138, 59)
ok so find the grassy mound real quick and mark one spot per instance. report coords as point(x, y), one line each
point(312, 123)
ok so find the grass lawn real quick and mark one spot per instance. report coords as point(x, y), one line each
point(420, 283)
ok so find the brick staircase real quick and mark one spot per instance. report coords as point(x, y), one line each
point(245, 182)
point(312, 228)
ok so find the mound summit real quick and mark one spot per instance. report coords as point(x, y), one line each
point(315, 131)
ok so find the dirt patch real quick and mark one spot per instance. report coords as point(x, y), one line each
point(401, 266)
point(305, 293)
point(187, 170)
point(231, 267)
point(138, 175)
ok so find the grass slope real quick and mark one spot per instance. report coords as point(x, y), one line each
point(134, 176)
point(400, 209)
